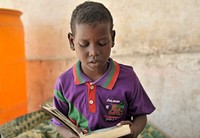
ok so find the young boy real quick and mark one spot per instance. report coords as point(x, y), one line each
point(98, 92)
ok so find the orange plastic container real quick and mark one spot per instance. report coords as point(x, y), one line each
point(13, 97)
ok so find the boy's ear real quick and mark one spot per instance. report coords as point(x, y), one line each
point(113, 37)
point(71, 41)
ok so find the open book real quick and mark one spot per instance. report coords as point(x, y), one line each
point(111, 132)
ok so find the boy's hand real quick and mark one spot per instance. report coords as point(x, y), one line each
point(85, 131)
point(137, 125)
point(131, 125)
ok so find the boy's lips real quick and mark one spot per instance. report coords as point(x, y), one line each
point(94, 62)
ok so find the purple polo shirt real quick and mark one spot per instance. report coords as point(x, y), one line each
point(114, 97)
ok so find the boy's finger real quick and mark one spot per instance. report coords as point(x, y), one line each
point(84, 131)
point(125, 123)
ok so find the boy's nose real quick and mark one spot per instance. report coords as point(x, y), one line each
point(94, 50)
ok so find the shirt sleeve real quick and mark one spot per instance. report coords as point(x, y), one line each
point(138, 100)
point(59, 102)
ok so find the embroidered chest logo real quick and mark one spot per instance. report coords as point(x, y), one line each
point(115, 109)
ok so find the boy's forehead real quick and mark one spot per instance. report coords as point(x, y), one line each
point(92, 25)
point(94, 31)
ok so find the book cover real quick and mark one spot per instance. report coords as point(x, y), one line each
point(111, 132)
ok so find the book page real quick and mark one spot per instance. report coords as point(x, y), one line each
point(110, 132)
point(62, 119)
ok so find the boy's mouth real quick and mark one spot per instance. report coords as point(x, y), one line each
point(94, 62)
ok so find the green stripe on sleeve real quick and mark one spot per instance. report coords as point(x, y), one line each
point(73, 112)
point(60, 96)
point(78, 117)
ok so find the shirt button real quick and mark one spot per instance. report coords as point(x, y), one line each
point(91, 87)
point(91, 101)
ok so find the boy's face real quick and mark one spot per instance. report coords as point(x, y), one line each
point(92, 44)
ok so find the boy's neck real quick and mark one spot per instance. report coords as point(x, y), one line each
point(95, 75)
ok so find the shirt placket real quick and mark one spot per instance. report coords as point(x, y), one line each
point(91, 97)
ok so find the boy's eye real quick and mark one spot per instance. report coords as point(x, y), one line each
point(103, 42)
point(83, 44)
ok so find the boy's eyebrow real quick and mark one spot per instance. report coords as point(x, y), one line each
point(99, 39)
point(105, 38)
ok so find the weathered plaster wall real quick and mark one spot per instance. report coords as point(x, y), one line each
point(160, 39)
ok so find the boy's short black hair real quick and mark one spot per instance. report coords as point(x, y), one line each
point(90, 12)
